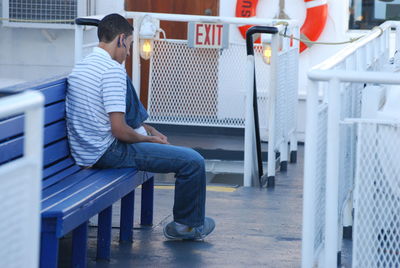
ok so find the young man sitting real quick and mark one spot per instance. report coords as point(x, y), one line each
point(106, 130)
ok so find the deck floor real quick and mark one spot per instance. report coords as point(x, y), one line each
point(255, 228)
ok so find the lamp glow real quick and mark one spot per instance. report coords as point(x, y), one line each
point(146, 48)
point(267, 53)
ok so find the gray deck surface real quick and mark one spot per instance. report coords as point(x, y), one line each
point(255, 228)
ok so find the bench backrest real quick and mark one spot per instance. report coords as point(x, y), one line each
point(57, 161)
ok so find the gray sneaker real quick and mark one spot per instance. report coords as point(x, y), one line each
point(196, 233)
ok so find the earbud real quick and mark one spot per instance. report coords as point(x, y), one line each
point(119, 43)
point(123, 42)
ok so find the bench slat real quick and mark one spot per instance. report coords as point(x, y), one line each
point(81, 193)
point(54, 132)
point(60, 176)
point(53, 169)
point(55, 152)
point(11, 127)
point(54, 113)
point(14, 126)
point(13, 149)
point(67, 182)
point(55, 93)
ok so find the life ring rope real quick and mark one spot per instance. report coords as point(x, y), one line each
point(317, 13)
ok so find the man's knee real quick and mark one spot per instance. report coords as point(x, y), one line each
point(196, 158)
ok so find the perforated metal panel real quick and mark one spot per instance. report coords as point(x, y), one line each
point(201, 86)
point(319, 188)
point(286, 95)
point(377, 198)
point(40, 10)
point(291, 90)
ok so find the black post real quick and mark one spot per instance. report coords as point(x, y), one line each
point(250, 51)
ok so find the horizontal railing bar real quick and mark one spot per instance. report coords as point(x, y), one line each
point(354, 76)
point(215, 19)
point(347, 51)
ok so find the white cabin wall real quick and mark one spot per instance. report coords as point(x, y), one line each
point(29, 54)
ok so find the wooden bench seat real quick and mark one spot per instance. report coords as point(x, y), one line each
point(71, 195)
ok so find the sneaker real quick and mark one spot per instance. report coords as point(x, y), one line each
point(196, 233)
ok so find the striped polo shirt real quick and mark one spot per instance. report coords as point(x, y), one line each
point(96, 87)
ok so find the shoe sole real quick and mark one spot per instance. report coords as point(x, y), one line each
point(187, 238)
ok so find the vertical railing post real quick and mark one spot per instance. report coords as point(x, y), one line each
point(33, 144)
point(136, 55)
point(271, 111)
point(249, 135)
point(310, 160)
point(332, 175)
point(397, 45)
point(252, 134)
point(78, 43)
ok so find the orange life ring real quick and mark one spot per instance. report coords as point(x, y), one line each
point(314, 24)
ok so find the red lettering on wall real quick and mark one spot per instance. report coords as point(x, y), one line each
point(207, 39)
point(198, 34)
point(220, 27)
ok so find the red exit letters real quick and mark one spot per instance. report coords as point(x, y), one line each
point(208, 35)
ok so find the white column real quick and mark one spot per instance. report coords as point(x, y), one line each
point(249, 134)
point(78, 42)
point(310, 162)
point(332, 175)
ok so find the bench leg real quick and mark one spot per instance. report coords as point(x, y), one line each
point(79, 245)
point(48, 245)
point(104, 234)
point(126, 219)
point(146, 217)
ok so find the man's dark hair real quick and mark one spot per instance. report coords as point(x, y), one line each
point(111, 26)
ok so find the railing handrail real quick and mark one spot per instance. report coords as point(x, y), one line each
point(354, 76)
point(196, 18)
point(339, 57)
point(219, 19)
point(18, 103)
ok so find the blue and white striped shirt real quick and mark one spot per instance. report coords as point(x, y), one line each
point(96, 87)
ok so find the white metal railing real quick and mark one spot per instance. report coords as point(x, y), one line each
point(331, 143)
point(207, 87)
point(20, 185)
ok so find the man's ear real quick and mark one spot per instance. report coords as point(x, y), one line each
point(123, 38)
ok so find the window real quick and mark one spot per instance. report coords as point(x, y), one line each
point(45, 13)
point(365, 14)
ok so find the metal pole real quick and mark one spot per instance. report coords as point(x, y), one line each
point(216, 19)
point(397, 38)
point(249, 125)
point(136, 54)
point(78, 43)
point(332, 175)
point(310, 160)
point(271, 112)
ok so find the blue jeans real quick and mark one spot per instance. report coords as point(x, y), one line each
point(187, 164)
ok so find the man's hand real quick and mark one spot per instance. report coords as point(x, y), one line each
point(125, 133)
point(157, 139)
point(156, 133)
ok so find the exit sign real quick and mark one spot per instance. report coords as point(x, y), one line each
point(208, 35)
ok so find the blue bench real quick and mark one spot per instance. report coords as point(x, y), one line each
point(71, 195)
